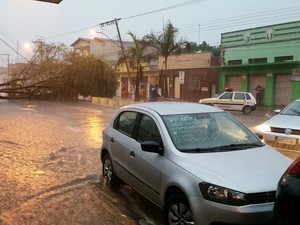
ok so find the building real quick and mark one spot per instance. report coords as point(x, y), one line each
point(189, 77)
point(107, 49)
point(110, 51)
point(266, 55)
point(127, 86)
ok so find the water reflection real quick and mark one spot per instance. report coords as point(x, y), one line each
point(95, 125)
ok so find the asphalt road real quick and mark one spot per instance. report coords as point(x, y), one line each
point(50, 166)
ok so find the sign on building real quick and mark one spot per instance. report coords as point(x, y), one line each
point(181, 77)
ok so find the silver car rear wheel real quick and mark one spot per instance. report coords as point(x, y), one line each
point(108, 172)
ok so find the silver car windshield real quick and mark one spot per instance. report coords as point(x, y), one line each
point(292, 109)
point(209, 132)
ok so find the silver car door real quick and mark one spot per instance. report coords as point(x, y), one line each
point(122, 143)
point(145, 167)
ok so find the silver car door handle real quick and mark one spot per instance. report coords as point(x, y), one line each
point(132, 153)
point(112, 140)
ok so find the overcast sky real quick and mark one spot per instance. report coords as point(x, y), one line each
point(23, 21)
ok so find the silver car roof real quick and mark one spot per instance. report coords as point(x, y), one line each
point(170, 108)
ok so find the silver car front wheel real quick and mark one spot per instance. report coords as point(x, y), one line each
point(177, 211)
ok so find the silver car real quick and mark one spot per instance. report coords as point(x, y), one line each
point(284, 127)
point(198, 163)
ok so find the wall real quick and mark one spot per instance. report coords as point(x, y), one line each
point(266, 45)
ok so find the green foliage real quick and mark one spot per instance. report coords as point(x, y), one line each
point(55, 72)
point(204, 47)
point(137, 54)
point(166, 43)
point(89, 76)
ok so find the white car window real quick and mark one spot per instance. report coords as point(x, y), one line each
point(239, 96)
point(248, 97)
point(226, 96)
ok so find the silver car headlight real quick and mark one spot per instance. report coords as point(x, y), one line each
point(264, 128)
point(222, 195)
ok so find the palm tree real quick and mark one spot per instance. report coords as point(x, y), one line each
point(137, 54)
point(166, 45)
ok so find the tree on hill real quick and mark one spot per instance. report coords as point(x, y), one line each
point(203, 47)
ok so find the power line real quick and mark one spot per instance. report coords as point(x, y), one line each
point(263, 16)
point(13, 49)
point(288, 13)
point(129, 17)
point(11, 39)
point(208, 25)
point(73, 32)
point(165, 8)
point(260, 17)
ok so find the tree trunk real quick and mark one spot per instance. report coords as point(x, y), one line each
point(165, 80)
point(137, 83)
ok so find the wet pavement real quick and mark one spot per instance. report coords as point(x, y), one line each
point(50, 166)
point(257, 117)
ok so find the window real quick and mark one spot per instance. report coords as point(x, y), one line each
point(248, 96)
point(126, 123)
point(235, 62)
point(292, 109)
point(239, 96)
point(203, 131)
point(283, 58)
point(195, 83)
point(226, 96)
point(148, 130)
point(257, 60)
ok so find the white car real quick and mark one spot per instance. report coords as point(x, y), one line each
point(198, 163)
point(284, 127)
point(233, 101)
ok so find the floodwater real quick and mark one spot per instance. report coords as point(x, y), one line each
point(50, 166)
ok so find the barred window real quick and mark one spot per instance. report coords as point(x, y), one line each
point(195, 83)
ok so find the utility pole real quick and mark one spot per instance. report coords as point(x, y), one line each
point(7, 63)
point(123, 51)
point(199, 34)
point(115, 21)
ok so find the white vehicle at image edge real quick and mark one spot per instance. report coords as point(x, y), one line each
point(233, 101)
point(284, 127)
point(198, 163)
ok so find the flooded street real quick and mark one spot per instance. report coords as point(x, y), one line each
point(50, 167)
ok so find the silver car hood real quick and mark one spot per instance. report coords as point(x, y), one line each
point(249, 171)
point(284, 121)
